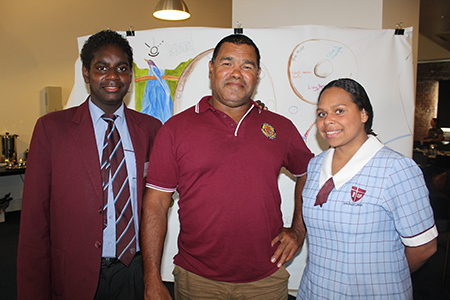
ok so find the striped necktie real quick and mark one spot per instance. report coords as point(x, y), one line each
point(114, 172)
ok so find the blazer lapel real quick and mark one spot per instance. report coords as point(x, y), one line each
point(82, 132)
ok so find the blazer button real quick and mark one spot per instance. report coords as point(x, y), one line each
point(100, 210)
point(98, 244)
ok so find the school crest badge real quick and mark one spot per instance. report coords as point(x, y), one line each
point(268, 131)
point(357, 193)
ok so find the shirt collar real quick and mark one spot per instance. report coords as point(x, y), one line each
point(365, 153)
point(97, 112)
point(203, 105)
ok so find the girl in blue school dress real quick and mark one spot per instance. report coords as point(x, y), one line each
point(376, 224)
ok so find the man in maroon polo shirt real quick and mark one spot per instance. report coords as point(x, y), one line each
point(223, 156)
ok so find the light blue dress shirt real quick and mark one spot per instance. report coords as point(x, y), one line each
point(100, 126)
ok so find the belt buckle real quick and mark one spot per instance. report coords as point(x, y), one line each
point(109, 261)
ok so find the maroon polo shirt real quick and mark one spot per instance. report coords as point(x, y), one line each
point(226, 175)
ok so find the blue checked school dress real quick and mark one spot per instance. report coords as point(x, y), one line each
point(357, 238)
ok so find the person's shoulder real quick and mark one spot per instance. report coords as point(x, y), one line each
point(145, 118)
point(276, 117)
point(315, 163)
point(270, 114)
point(390, 153)
point(63, 115)
point(57, 123)
point(181, 118)
point(320, 156)
point(394, 159)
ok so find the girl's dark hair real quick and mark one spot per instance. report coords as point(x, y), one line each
point(357, 94)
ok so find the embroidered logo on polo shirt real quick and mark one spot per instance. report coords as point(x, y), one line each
point(357, 193)
point(268, 131)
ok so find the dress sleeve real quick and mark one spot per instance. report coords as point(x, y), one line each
point(407, 199)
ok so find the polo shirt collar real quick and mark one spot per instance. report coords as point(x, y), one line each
point(203, 105)
point(365, 153)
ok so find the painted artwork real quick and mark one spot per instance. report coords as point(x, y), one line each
point(313, 62)
point(155, 89)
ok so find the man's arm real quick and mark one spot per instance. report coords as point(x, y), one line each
point(153, 228)
point(417, 256)
point(291, 239)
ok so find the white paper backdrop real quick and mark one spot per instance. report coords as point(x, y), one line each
point(296, 62)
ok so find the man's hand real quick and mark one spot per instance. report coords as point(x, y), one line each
point(261, 105)
point(157, 292)
point(290, 241)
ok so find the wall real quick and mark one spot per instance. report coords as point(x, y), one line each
point(374, 14)
point(429, 50)
point(426, 106)
point(269, 13)
point(428, 76)
point(435, 66)
point(427, 89)
point(407, 13)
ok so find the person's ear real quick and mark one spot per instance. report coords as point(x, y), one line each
point(210, 65)
point(364, 116)
point(85, 74)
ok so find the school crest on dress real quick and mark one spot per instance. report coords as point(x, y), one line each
point(357, 193)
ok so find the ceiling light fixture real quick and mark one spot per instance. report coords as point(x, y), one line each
point(172, 10)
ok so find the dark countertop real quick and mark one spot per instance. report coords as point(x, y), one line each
point(8, 172)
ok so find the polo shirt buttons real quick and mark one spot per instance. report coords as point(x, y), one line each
point(100, 210)
point(228, 120)
point(98, 244)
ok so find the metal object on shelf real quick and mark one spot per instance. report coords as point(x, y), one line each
point(9, 147)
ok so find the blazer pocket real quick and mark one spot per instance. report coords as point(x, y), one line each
point(58, 261)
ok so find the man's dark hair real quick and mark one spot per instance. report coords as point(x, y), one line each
point(357, 94)
point(237, 39)
point(100, 40)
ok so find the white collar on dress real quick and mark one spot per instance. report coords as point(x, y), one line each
point(370, 147)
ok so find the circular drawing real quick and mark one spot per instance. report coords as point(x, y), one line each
point(314, 63)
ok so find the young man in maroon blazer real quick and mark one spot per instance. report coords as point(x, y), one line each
point(66, 251)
